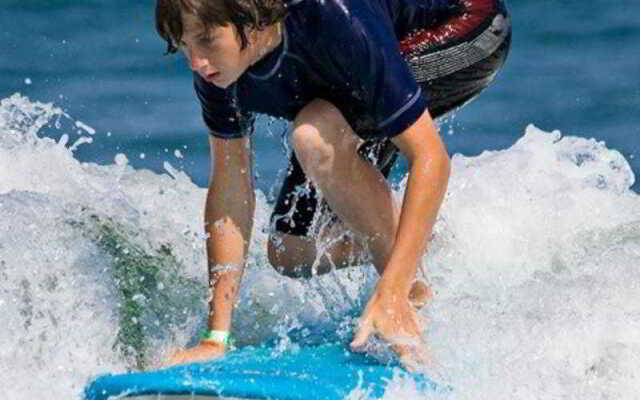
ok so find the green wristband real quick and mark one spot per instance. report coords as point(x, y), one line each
point(222, 337)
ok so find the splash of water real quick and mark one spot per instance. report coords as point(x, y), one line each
point(534, 262)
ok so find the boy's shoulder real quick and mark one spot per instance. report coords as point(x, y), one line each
point(320, 21)
point(310, 11)
point(327, 11)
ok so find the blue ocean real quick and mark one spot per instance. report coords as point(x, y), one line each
point(103, 168)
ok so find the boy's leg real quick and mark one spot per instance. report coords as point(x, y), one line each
point(354, 189)
point(307, 237)
point(303, 257)
point(300, 257)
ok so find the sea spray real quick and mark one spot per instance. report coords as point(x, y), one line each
point(533, 261)
point(104, 267)
point(142, 280)
point(535, 264)
point(84, 288)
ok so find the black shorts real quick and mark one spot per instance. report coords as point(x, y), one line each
point(453, 62)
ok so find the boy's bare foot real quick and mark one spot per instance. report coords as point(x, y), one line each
point(420, 294)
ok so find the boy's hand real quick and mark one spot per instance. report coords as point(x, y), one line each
point(389, 315)
point(203, 351)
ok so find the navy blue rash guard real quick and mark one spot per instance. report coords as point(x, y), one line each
point(342, 51)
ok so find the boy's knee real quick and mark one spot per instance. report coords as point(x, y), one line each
point(320, 134)
point(320, 112)
point(278, 259)
point(273, 254)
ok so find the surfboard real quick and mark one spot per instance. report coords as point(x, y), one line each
point(327, 371)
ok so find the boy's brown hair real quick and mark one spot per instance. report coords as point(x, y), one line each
point(243, 14)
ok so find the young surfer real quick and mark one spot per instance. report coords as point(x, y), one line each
point(361, 80)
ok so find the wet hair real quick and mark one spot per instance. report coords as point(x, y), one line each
point(243, 14)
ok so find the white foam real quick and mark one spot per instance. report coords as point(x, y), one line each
point(534, 262)
point(81, 125)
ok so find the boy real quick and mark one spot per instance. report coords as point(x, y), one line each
point(360, 79)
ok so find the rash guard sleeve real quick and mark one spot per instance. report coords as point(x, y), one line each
point(219, 109)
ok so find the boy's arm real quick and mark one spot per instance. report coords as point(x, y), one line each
point(229, 212)
point(429, 170)
point(388, 312)
point(228, 223)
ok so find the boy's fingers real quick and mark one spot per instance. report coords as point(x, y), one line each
point(410, 362)
point(364, 331)
point(411, 352)
point(406, 356)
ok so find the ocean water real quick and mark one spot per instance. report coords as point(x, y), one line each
point(103, 163)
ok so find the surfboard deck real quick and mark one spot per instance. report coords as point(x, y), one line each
point(328, 371)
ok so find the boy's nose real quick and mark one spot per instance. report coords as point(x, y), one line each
point(196, 61)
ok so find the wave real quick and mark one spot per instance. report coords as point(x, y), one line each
point(533, 259)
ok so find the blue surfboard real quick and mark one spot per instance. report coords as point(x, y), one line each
point(321, 372)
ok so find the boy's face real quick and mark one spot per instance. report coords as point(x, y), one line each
point(214, 53)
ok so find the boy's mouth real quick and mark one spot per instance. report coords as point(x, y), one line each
point(212, 76)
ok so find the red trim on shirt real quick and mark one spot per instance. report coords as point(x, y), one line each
point(457, 27)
